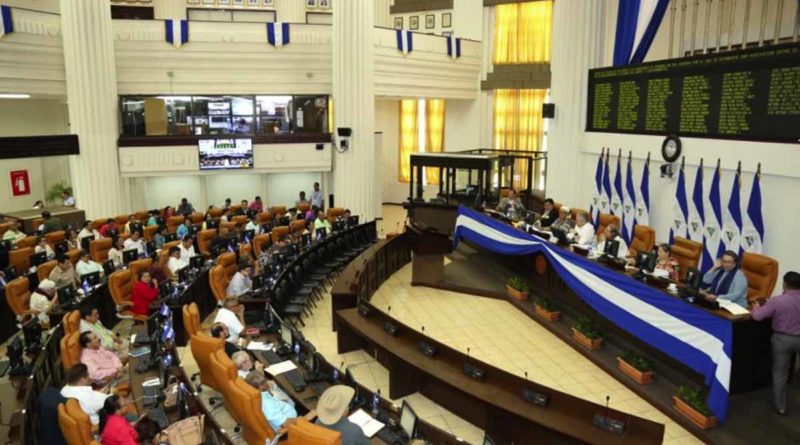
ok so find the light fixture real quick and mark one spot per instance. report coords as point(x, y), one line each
point(14, 96)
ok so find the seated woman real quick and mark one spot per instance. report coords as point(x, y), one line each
point(144, 292)
point(43, 299)
point(666, 264)
point(42, 246)
point(114, 427)
point(563, 222)
point(115, 253)
point(150, 433)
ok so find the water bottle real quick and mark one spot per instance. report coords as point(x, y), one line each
point(335, 376)
point(86, 287)
point(376, 402)
point(297, 351)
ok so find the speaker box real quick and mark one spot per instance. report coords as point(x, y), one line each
point(548, 111)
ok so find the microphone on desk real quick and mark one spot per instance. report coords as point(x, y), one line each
point(608, 399)
point(389, 309)
point(526, 376)
point(468, 351)
point(423, 329)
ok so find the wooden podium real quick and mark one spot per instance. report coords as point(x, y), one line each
point(68, 215)
point(428, 261)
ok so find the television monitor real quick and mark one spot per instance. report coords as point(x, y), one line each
point(223, 154)
point(350, 381)
point(129, 255)
point(183, 274)
point(61, 248)
point(284, 220)
point(150, 249)
point(693, 278)
point(136, 226)
point(193, 229)
point(321, 234)
point(339, 225)
point(6, 245)
point(14, 352)
point(408, 420)
point(93, 278)
point(305, 239)
point(610, 248)
point(66, 294)
point(38, 258)
point(152, 326)
point(286, 335)
point(32, 331)
point(196, 262)
point(108, 267)
point(218, 250)
point(259, 281)
point(646, 260)
point(85, 241)
point(266, 227)
point(165, 288)
point(112, 233)
point(247, 235)
point(352, 221)
point(170, 237)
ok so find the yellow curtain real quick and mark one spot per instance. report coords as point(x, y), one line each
point(434, 135)
point(409, 128)
point(522, 32)
point(518, 125)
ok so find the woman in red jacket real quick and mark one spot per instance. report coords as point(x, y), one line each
point(114, 428)
point(144, 292)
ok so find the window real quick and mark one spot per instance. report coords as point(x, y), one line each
point(421, 131)
point(522, 33)
point(518, 125)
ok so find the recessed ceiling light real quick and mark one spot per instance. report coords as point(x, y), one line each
point(14, 96)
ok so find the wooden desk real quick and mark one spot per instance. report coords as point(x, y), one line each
point(68, 216)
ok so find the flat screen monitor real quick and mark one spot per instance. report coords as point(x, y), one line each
point(85, 242)
point(408, 420)
point(93, 278)
point(38, 258)
point(286, 335)
point(266, 227)
point(108, 267)
point(352, 221)
point(165, 288)
point(152, 326)
point(223, 154)
point(129, 255)
point(259, 281)
point(646, 260)
point(610, 248)
point(247, 236)
point(305, 239)
point(66, 294)
point(693, 278)
point(212, 223)
point(61, 248)
point(321, 234)
point(196, 262)
point(183, 274)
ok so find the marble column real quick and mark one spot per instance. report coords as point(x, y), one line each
point(577, 47)
point(355, 170)
point(92, 103)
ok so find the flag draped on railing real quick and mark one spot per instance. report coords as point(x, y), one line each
point(176, 32)
point(643, 195)
point(679, 208)
point(753, 231)
point(278, 34)
point(405, 41)
point(713, 223)
point(453, 47)
point(637, 24)
point(732, 216)
point(616, 200)
point(594, 208)
point(628, 204)
point(6, 21)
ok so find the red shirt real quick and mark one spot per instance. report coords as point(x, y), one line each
point(257, 206)
point(141, 297)
point(118, 432)
point(104, 230)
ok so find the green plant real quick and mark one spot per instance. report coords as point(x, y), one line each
point(695, 398)
point(548, 304)
point(518, 284)
point(586, 326)
point(54, 192)
point(638, 361)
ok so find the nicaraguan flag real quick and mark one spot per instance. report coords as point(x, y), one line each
point(616, 200)
point(6, 22)
point(278, 34)
point(643, 196)
point(696, 219)
point(177, 32)
point(732, 217)
point(753, 231)
point(605, 195)
point(405, 41)
point(628, 205)
point(594, 209)
point(679, 209)
point(453, 47)
point(637, 24)
point(713, 236)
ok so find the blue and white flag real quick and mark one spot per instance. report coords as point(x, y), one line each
point(732, 216)
point(177, 32)
point(713, 224)
point(694, 337)
point(605, 193)
point(616, 198)
point(278, 34)
point(405, 41)
point(637, 24)
point(6, 21)
point(753, 231)
point(643, 196)
point(696, 217)
point(453, 47)
point(594, 208)
point(680, 209)
point(628, 205)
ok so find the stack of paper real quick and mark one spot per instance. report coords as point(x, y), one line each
point(280, 368)
point(368, 425)
point(731, 307)
point(259, 346)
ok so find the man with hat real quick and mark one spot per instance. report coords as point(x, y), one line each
point(278, 412)
point(332, 410)
point(43, 299)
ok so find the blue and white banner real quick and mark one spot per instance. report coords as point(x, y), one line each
point(643, 196)
point(454, 47)
point(713, 224)
point(680, 209)
point(594, 208)
point(694, 337)
point(278, 34)
point(628, 205)
point(695, 221)
point(753, 231)
point(177, 32)
point(605, 193)
point(637, 24)
point(405, 41)
point(732, 216)
point(6, 21)
point(616, 198)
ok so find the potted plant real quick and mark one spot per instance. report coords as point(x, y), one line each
point(637, 367)
point(517, 288)
point(548, 309)
point(53, 194)
point(587, 334)
point(692, 404)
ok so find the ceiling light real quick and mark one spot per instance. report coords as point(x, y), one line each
point(14, 96)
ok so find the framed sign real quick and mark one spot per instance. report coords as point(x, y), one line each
point(447, 20)
point(430, 21)
point(398, 23)
point(413, 22)
point(20, 183)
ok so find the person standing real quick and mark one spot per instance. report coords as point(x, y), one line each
point(785, 312)
point(317, 198)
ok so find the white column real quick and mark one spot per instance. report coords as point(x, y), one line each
point(577, 47)
point(354, 176)
point(92, 102)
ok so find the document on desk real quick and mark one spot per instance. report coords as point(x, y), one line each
point(367, 423)
point(731, 307)
point(259, 346)
point(280, 368)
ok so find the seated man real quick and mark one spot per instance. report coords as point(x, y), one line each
point(511, 206)
point(174, 261)
point(252, 224)
point(240, 283)
point(67, 199)
point(302, 199)
point(257, 205)
point(135, 241)
point(549, 215)
point(320, 222)
point(64, 274)
point(185, 207)
point(51, 223)
point(725, 281)
point(90, 322)
point(182, 231)
point(219, 330)
point(14, 234)
point(108, 226)
point(583, 233)
point(85, 265)
point(332, 410)
point(611, 233)
point(88, 230)
point(158, 269)
point(42, 246)
point(276, 411)
point(563, 222)
point(187, 250)
point(102, 364)
point(231, 315)
point(244, 363)
point(79, 387)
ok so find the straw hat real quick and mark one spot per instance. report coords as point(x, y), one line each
point(333, 403)
point(47, 284)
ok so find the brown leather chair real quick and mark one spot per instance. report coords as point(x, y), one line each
point(138, 266)
point(333, 213)
point(70, 350)
point(121, 220)
point(37, 222)
point(203, 346)
point(258, 241)
point(150, 232)
point(165, 248)
point(228, 261)
point(173, 222)
point(18, 297)
point(303, 207)
point(687, 252)
point(226, 226)
point(191, 319)
point(303, 432)
point(4, 228)
point(279, 232)
point(215, 212)
point(264, 217)
point(20, 259)
point(239, 219)
point(28, 241)
point(234, 209)
point(71, 322)
point(297, 226)
point(246, 402)
point(53, 237)
point(75, 424)
point(98, 223)
point(120, 284)
point(204, 238)
point(575, 212)
point(218, 282)
point(224, 374)
point(644, 238)
point(196, 218)
point(277, 211)
point(142, 215)
point(44, 269)
point(74, 255)
point(604, 219)
point(98, 249)
point(762, 275)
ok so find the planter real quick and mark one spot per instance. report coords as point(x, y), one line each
point(515, 294)
point(547, 315)
point(592, 344)
point(695, 417)
point(642, 378)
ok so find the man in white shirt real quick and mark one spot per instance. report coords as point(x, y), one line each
point(252, 224)
point(231, 314)
point(68, 199)
point(85, 265)
point(244, 364)
point(611, 233)
point(135, 241)
point(187, 250)
point(583, 232)
point(174, 262)
point(240, 283)
point(88, 230)
point(79, 387)
point(317, 199)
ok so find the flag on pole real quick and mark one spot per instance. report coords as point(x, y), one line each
point(405, 41)
point(6, 21)
point(643, 196)
point(732, 216)
point(713, 246)
point(616, 200)
point(594, 209)
point(696, 219)
point(605, 195)
point(453, 47)
point(278, 34)
point(628, 204)
point(679, 208)
point(753, 231)
point(177, 32)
